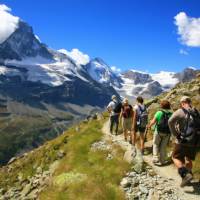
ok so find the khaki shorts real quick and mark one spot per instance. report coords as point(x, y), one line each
point(127, 123)
point(181, 152)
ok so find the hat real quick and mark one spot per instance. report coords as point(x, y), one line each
point(113, 97)
point(185, 99)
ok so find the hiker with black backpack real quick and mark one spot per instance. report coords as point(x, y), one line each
point(140, 120)
point(126, 117)
point(185, 126)
point(161, 133)
point(114, 108)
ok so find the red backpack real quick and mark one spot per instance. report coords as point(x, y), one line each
point(127, 111)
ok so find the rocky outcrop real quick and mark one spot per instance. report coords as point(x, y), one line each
point(23, 43)
point(187, 75)
point(137, 77)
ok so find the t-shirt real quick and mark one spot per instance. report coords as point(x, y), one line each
point(112, 106)
point(138, 110)
point(159, 114)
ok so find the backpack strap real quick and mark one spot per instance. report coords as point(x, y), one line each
point(142, 110)
point(187, 113)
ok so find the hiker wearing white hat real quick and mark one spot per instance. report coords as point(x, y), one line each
point(114, 108)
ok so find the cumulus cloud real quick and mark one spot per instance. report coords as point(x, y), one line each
point(8, 24)
point(188, 29)
point(183, 52)
point(115, 69)
point(78, 56)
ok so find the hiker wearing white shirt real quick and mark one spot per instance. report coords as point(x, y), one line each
point(114, 108)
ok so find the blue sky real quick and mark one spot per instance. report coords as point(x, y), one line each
point(138, 34)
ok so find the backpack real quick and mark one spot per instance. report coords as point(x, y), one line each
point(118, 107)
point(163, 126)
point(127, 111)
point(192, 127)
point(142, 118)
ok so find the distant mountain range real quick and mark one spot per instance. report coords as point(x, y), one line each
point(25, 60)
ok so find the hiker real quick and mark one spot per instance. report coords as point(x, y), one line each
point(114, 108)
point(126, 117)
point(185, 126)
point(140, 121)
point(162, 133)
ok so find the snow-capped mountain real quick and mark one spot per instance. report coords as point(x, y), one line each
point(23, 55)
point(102, 73)
point(22, 43)
point(30, 70)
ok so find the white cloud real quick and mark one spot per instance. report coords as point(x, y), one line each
point(115, 69)
point(183, 52)
point(37, 37)
point(78, 56)
point(8, 23)
point(190, 67)
point(188, 29)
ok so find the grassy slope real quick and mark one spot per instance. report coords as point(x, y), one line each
point(191, 89)
point(21, 132)
point(100, 177)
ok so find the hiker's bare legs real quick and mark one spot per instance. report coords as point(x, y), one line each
point(178, 163)
point(188, 164)
point(133, 137)
point(142, 141)
point(125, 134)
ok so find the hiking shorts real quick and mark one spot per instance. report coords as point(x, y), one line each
point(127, 123)
point(140, 130)
point(182, 151)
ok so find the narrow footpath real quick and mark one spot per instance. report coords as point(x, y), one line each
point(154, 182)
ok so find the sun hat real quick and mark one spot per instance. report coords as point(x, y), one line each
point(185, 99)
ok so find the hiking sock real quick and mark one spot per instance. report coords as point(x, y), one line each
point(182, 171)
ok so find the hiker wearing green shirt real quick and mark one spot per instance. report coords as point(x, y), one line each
point(161, 132)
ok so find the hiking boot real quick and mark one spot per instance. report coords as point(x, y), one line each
point(188, 177)
point(159, 164)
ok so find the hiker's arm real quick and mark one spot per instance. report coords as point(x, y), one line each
point(152, 122)
point(120, 118)
point(109, 108)
point(134, 120)
point(172, 123)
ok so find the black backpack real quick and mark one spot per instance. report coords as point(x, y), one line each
point(192, 127)
point(118, 107)
point(163, 126)
point(142, 120)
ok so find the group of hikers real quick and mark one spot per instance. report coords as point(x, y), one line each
point(183, 126)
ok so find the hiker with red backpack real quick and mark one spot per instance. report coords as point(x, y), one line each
point(114, 108)
point(185, 126)
point(126, 117)
point(161, 133)
point(140, 120)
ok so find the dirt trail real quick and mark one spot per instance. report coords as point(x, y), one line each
point(191, 192)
